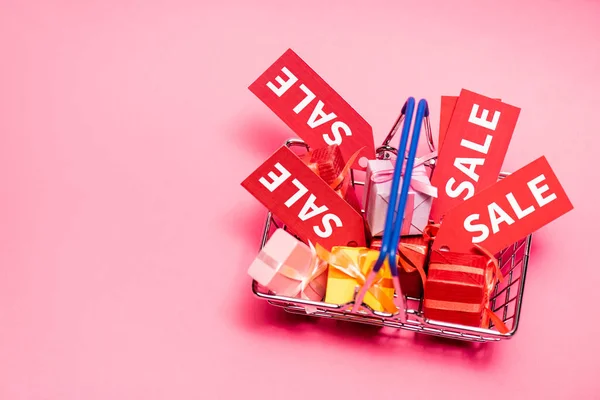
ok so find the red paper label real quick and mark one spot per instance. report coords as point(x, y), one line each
point(304, 202)
point(506, 211)
point(312, 109)
point(446, 111)
point(473, 150)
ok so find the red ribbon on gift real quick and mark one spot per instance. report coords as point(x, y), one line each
point(430, 232)
point(336, 182)
point(405, 250)
point(491, 277)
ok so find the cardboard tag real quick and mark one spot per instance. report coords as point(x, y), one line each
point(473, 150)
point(304, 202)
point(312, 109)
point(506, 211)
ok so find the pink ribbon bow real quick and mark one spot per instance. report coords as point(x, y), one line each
point(386, 175)
point(417, 185)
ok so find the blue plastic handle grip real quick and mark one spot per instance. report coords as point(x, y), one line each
point(389, 221)
point(410, 162)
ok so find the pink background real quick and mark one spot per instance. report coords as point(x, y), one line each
point(125, 130)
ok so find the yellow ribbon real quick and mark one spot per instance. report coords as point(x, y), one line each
point(343, 263)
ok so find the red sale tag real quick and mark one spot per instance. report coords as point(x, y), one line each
point(473, 150)
point(506, 211)
point(312, 109)
point(304, 202)
point(446, 111)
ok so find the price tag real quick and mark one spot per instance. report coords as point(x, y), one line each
point(304, 202)
point(446, 111)
point(312, 109)
point(473, 150)
point(505, 212)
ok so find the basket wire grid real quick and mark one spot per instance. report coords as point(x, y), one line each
point(506, 300)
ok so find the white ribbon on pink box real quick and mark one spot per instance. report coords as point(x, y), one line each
point(290, 268)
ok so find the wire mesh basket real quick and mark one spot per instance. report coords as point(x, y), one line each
point(506, 299)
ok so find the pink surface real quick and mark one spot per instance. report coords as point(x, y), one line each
point(123, 266)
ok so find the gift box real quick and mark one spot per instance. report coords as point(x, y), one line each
point(377, 197)
point(458, 288)
point(288, 267)
point(348, 267)
point(412, 254)
point(328, 164)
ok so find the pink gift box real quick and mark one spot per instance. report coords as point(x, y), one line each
point(285, 265)
point(377, 195)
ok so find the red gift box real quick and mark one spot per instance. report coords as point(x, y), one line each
point(328, 164)
point(458, 288)
point(412, 253)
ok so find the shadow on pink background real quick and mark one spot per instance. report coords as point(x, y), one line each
point(127, 127)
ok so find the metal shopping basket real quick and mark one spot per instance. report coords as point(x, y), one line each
point(506, 300)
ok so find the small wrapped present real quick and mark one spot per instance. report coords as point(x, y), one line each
point(290, 268)
point(328, 164)
point(459, 287)
point(412, 253)
point(377, 197)
point(348, 267)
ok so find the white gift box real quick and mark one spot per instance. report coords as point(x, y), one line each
point(377, 195)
